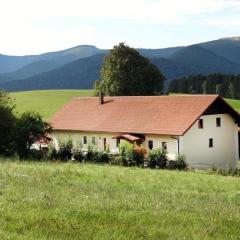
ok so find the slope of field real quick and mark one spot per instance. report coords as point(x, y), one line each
point(46, 102)
point(234, 103)
point(73, 201)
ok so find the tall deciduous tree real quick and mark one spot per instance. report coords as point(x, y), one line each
point(7, 124)
point(125, 73)
point(30, 128)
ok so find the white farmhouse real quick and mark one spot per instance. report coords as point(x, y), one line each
point(202, 127)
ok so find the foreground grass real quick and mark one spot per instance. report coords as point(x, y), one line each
point(71, 201)
point(46, 102)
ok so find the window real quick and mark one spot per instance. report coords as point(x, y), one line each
point(210, 142)
point(164, 145)
point(218, 122)
point(150, 144)
point(85, 140)
point(117, 142)
point(200, 123)
point(93, 140)
point(104, 144)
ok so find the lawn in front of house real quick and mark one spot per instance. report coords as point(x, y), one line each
point(85, 201)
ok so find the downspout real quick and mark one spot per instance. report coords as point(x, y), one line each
point(178, 145)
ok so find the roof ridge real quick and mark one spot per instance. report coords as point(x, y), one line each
point(154, 96)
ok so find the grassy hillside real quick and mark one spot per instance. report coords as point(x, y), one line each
point(71, 201)
point(49, 101)
point(46, 102)
point(235, 103)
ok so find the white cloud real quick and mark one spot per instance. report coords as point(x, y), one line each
point(222, 22)
point(157, 11)
point(18, 19)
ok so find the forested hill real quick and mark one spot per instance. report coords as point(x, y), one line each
point(80, 66)
point(224, 85)
point(79, 74)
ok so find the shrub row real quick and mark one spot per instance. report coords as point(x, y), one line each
point(158, 159)
point(129, 156)
point(67, 152)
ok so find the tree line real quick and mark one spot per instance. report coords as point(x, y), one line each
point(224, 85)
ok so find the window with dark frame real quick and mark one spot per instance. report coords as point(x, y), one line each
point(200, 123)
point(150, 144)
point(210, 142)
point(218, 122)
point(93, 140)
point(164, 145)
point(85, 140)
point(104, 144)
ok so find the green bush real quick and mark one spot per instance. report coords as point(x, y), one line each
point(172, 165)
point(65, 150)
point(90, 155)
point(129, 156)
point(95, 156)
point(52, 153)
point(179, 163)
point(115, 160)
point(35, 154)
point(101, 157)
point(157, 158)
point(78, 155)
point(226, 172)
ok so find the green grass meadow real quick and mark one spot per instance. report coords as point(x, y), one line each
point(234, 103)
point(46, 102)
point(54, 201)
point(77, 201)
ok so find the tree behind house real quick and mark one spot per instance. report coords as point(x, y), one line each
point(127, 73)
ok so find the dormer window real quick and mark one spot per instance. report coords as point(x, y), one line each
point(200, 123)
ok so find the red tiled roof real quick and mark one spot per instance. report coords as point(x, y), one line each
point(168, 115)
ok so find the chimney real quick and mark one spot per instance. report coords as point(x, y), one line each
point(101, 98)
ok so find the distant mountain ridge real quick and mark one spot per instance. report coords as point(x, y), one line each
point(80, 66)
point(10, 64)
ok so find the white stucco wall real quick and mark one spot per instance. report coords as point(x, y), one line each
point(77, 138)
point(194, 144)
point(224, 153)
point(172, 147)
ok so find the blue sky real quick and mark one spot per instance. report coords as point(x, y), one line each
point(31, 27)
